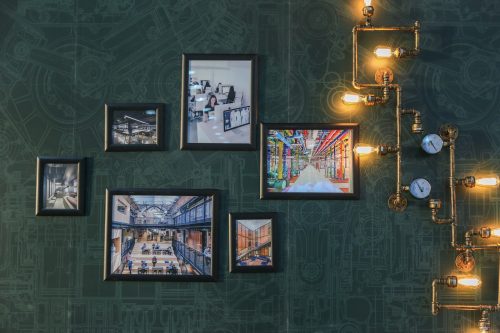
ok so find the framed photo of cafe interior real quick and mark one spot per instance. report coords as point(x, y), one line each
point(160, 235)
point(219, 101)
point(309, 161)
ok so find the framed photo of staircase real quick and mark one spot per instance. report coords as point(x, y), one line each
point(252, 239)
point(161, 235)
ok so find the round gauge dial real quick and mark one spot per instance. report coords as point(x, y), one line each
point(420, 188)
point(432, 144)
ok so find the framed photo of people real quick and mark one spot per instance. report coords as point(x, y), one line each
point(219, 101)
point(134, 127)
point(161, 235)
point(309, 161)
point(252, 242)
point(60, 186)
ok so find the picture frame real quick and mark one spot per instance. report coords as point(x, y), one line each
point(317, 161)
point(252, 249)
point(161, 235)
point(223, 114)
point(60, 186)
point(134, 127)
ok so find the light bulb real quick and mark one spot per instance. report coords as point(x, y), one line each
point(383, 52)
point(469, 282)
point(368, 3)
point(361, 149)
point(495, 232)
point(487, 181)
point(352, 98)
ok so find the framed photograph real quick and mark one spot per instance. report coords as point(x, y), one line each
point(60, 186)
point(161, 235)
point(134, 127)
point(219, 101)
point(309, 161)
point(252, 239)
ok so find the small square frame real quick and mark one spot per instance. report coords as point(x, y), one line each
point(109, 146)
point(233, 217)
point(40, 167)
point(185, 144)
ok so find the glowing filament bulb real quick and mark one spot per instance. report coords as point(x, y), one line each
point(368, 3)
point(469, 282)
point(364, 149)
point(352, 98)
point(495, 232)
point(487, 181)
point(383, 52)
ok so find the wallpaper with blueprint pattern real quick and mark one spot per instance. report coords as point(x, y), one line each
point(344, 266)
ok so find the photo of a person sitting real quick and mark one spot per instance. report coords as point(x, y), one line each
point(212, 102)
point(231, 95)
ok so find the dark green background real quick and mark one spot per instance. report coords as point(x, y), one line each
point(345, 266)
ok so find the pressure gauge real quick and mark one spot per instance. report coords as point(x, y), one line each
point(420, 188)
point(432, 144)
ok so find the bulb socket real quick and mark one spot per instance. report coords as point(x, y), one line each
point(451, 281)
point(368, 11)
point(435, 204)
point(485, 232)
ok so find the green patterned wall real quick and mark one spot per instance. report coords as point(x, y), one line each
point(345, 266)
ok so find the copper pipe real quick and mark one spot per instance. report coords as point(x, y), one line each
point(479, 307)
point(398, 142)
point(435, 305)
point(453, 196)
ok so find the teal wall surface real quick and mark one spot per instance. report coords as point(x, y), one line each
point(344, 266)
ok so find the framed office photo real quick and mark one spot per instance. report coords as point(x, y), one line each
point(161, 235)
point(252, 242)
point(60, 189)
point(309, 161)
point(134, 127)
point(219, 101)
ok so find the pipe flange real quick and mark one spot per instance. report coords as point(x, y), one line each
point(379, 75)
point(397, 204)
point(465, 261)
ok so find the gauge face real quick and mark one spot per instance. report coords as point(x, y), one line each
point(432, 144)
point(420, 188)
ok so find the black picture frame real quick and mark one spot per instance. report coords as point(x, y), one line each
point(110, 108)
point(185, 144)
point(233, 241)
point(40, 209)
point(265, 194)
point(213, 194)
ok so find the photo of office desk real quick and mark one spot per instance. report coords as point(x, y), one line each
point(212, 131)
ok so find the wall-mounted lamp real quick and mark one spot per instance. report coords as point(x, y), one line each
point(384, 81)
point(473, 282)
point(399, 52)
point(363, 149)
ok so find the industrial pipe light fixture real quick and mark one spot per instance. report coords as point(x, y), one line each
point(384, 82)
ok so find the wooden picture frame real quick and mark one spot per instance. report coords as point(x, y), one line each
point(293, 168)
point(161, 235)
point(125, 131)
point(252, 249)
point(205, 123)
point(60, 186)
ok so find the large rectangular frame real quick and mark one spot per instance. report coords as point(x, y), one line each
point(40, 166)
point(185, 145)
point(264, 129)
point(233, 268)
point(160, 118)
point(167, 192)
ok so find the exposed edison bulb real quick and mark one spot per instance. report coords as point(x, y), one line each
point(368, 3)
point(362, 149)
point(469, 281)
point(383, 52)
point(495, 232)
point(351, 98)
point(487, 181)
